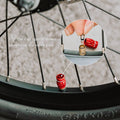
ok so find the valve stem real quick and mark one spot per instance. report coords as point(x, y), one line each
point(82, 48)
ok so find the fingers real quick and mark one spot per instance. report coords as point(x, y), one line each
point(88, 26)
point(69, 30)
point(79, 26)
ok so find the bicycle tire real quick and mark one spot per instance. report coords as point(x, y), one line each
point(25, 101)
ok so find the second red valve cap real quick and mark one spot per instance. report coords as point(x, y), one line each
point(91, 43)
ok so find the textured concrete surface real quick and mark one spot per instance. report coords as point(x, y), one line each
point(23, 58)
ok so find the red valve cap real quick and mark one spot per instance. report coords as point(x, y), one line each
point(61, 82)
point(91, 43)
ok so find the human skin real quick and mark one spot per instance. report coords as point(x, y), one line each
point(81, 27)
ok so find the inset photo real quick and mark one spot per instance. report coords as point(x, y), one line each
point(84, 42)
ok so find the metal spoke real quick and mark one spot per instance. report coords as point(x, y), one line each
point(103, 46)
point(15, 17)
point(103, 10)
point(63, 19)
point(109, 65)
point(62, 16)
point(10, 25)
point(37, 49)
point(105, 55)
point(7, 43)
point(77, 74)
point(86, 9)
point(103, 41)
point(11, 1)
point(113, 50)
point(61, 13)
point(114, 77)
point(51, 20)
point(80, 85)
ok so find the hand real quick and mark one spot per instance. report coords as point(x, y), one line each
point(81, 27)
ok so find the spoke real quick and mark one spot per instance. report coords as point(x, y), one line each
point(7, 43)
point(103, 46)
point(63, 19)
point(114, 77)
point(113, 50)
point(86, 9)
point(80, 85)
point(62, 44)
point(37, 49)
point(77, 74)
point(15, 17)
point(103, 10)
point(61, 39)
point(51, 20)
point(61, 13)
point(106, 56)
point(109, 65)
point(103, 43)
point(10, 25)
point(11, 1)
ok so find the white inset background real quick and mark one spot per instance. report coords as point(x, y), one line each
point(73, 41)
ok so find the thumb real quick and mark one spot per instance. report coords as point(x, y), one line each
point(69, 30)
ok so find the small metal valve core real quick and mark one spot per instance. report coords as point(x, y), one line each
point(82, 47)
point(82, 50)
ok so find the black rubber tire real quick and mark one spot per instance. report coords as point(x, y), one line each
point(19, 112)
point(22, 101)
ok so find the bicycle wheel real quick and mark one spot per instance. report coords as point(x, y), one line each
point(22, 101)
